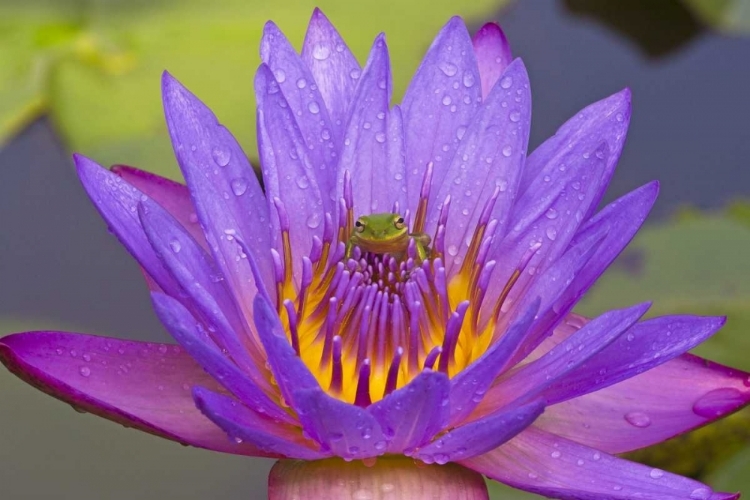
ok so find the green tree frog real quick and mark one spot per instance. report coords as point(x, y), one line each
point(385, 233)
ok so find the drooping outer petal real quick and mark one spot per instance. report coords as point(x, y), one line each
point(225, 191)
point(438, 105)
point(552, 466)
point(137, 384)
point(493, 55)
point(333, 66)
point(639, 412)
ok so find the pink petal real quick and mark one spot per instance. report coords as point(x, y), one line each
point(551, 466)
point(493, 55)
point(668, 400)
point(171, 195)
point(137, 384)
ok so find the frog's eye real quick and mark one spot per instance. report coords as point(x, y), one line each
point(359, 226)
point(399, 223)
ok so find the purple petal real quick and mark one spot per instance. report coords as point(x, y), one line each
point(226, 193)
point(307, 104)
point(137, 384)
point(194, 339)
point(469, 386)
point(365, 153)
point(288, 169)
point(346, 430)
point(482, 435)
point(289, 371)
point(443, 96)
point(412, 415)
point(548, 214)
point(117, 202)
point(552, 466)
point(606, 120)
point(243, 425)
point(493, 55)
point(333, 66)
point(490, 157)
point(643, 410)
point(535, 377)
point(643, 347)
point(621, 220)
point(173, 196)
point(203, 286)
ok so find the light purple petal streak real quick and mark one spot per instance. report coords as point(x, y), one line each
point(493, 55)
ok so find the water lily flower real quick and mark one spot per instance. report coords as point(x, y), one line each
point(447, 335)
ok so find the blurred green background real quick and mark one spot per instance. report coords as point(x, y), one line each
point(84, 76)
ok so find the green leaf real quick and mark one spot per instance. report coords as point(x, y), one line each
point(732, 16)
point(97, 69)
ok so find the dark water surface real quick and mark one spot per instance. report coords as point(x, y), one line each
point(60, 268)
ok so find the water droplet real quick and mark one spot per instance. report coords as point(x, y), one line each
point(313, 221)
point(279, 75)
point(619, 117)
point(175, 246)
point(515, 116)
point(580, 462)
point(303, 182)
point(506, 82)
point(551, 214)
point(452, 250)
point(301, 83)
point(355, 74)
point(507, 150)
point(313, 107)
point(448, 68)
point(321, 52)
point(638, 419)
point(718, 402)
point(239, 186)
point(597, 456)
point(221, 157)
point(460, 131)
point(380, 445)
point(551, 233)
point(85, 371)
point(555, 454)
point(468, 80)
point(380, 137)
point(656, 473)
point(700, 494)
point(446, 100)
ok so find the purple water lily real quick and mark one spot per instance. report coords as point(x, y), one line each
point(455, 344)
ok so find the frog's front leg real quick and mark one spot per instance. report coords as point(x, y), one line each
point(421, 242)
point(349, 247)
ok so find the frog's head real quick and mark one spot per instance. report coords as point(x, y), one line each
point(381, 233)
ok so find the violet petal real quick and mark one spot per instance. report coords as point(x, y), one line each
point(482, 435)
point(440, 102)
point(346, 430)
point(413, 414)
point(552, 466)
point(194, 339)
point(242, 425)
point(333, 67)
point(489, 157)
point(226, 193)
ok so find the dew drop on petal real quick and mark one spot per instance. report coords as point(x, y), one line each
point(551, 233)
point(656, 473)
point(380, 137)
point(638, 419)
point(313, 221)
point(303, 182)
point(506, 82)
point(221, 157)
point(301, 83)
point(507, 150)
point(175, 246)
point(239, 186)
point(700, 494)
point(718, 402)
point(555, 454)
point(313, 107)
point(515, 116)
point(449, 69)
point(85, 371)
point(321, 52)
point(468, 80)
point(355, 74)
